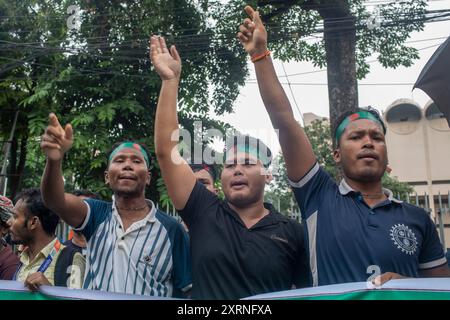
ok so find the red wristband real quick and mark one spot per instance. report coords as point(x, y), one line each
point(261, 56)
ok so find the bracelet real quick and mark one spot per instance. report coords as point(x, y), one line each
point(261, 56)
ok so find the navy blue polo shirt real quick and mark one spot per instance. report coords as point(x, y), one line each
point(345, 236)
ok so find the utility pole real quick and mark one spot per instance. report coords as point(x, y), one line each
point(6, 149)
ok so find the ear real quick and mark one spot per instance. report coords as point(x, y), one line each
point(106, 177)
point(149, 178)
point(337, 155)
point(268, 176)
point(33, 223)
point(215, 191)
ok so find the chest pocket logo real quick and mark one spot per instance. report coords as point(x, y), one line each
point(404, 238)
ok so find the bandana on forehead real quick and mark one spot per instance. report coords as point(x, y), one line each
point(130, 145)
point(254, 151)
point(355, 116)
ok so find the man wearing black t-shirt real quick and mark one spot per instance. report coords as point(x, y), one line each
point(241, 246)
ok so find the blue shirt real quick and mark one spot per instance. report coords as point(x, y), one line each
point(347, 240)
point(151, 257)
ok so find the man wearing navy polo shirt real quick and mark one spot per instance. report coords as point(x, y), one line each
point(356, 227)
point(132, 247)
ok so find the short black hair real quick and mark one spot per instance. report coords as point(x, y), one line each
point(211, 168)
point(35, 207)
point(248, 141)
point(344, 115)
point(115, 145)
point(86, 193)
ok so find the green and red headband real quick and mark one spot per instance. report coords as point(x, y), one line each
point(353, 117)
point(257, 151)
point(130, 145)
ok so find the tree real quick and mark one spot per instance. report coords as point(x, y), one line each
point(96, 74)
point(318, 133)
point(351, 33)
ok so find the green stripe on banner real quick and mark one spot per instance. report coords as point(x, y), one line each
point(399, 289)
point(22, 295)
point(379, 295)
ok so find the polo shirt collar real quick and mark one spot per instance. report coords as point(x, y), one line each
point(272, 218)
point(150, 217)
point(45, 251)
point(344, 189)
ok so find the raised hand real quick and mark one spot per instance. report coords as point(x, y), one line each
point(56, 140)
point(167, 63)
point(252, 33)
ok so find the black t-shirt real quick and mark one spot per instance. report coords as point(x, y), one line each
point(230, 261)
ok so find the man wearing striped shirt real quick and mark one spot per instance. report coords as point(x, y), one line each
point(132, 247)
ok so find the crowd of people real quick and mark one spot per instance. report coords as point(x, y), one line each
point(230, 247)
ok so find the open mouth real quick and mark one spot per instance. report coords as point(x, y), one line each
point(130, 178)
point(368, 156)
point(238, 184)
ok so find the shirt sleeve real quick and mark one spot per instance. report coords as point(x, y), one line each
point(310, 189)
point(9, 265)
point(200, 201)
point(181, 271)
point(432, 254)
point(98, 211)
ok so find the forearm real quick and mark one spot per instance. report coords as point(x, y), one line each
point(294, 143)
point(272, 93)
point(68, 207)
point(166, 120)
point(177, 175)
point(52, 186)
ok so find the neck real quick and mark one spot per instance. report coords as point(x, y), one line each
point(35, 246)
point(372, 192)
point(252, 213)
point(365, 187)
point(128, 205)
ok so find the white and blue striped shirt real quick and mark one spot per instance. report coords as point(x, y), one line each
point(150, 258)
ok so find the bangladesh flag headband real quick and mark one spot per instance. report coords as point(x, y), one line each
point(258, 153)
point(130, 145)
point(356, 116)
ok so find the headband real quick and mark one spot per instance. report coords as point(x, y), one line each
point(256, 152)
point(130, 145)
point(355, 116)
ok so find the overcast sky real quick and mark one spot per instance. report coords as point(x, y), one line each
point(250, 116)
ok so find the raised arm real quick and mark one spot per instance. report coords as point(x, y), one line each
point(177, 174)
point(296, 148)
point(56, 141)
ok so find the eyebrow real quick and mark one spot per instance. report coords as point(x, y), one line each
point(133, 155)
point(376, 130)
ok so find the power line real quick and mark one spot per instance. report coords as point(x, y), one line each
point(325, 69)
point(292, 93)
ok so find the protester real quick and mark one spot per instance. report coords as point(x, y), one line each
point(8, 260)
point(356, 226)
point(206, 174)
point(240, 246)
point(132, 247)
point(34, 225)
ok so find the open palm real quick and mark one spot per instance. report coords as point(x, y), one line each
point(167, 63)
